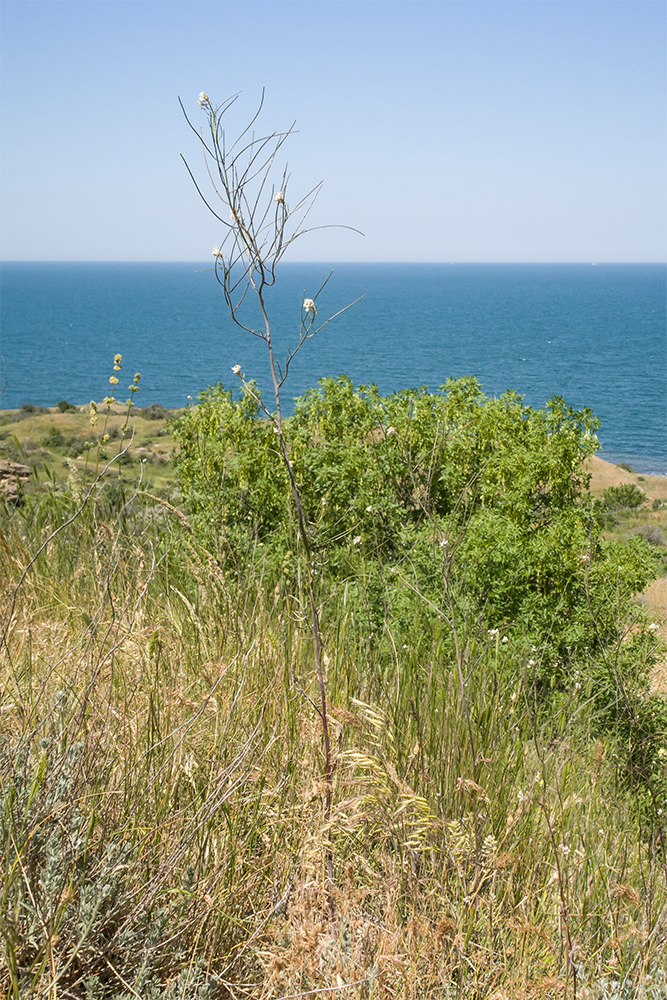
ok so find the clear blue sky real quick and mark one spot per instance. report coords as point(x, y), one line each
point(477, 130)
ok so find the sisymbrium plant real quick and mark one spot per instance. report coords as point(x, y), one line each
point(259, 226)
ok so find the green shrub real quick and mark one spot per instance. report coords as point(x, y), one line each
point(624, 497)
point(53, 439)
point(154, 412)
point(65, 407)
point(408, 486)
point(27, 409)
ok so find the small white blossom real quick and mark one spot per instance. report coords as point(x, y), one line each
point(369, 509)
point(653, 627)
point(531, 662)
point(356, 540)
point(280, 198)
point(309, 306)
point(216, 251)
point(443, 543)
point(203, 99)
point(505, 640)
point(391, 430)
point(236, 369)
point(493, 632)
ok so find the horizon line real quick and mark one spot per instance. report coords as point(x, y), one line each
point(447, 263)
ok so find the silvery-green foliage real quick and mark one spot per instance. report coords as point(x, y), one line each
point(654, 989)
point(67, 882)
point(193, 983)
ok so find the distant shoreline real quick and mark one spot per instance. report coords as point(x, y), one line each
point(615, 464)
point(540, 330)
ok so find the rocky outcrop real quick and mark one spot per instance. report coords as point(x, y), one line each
point(13, 476)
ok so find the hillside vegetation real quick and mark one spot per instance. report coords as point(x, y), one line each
point(499, 757)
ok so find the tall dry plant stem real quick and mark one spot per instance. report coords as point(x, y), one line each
point(259, 227)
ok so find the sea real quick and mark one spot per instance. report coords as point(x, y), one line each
point(595, 334)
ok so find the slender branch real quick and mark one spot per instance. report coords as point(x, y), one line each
point(256, 238)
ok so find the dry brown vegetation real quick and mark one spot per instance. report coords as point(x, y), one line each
point(163, 826)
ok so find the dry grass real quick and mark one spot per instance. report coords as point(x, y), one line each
point(162, 771)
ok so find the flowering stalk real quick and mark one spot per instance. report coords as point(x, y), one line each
point(109, 401)
point(255, 238)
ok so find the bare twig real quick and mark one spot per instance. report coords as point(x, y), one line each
point(259, 229)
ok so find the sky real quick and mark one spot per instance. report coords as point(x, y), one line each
point(473, 130)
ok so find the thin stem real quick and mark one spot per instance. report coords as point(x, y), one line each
point(255, 239)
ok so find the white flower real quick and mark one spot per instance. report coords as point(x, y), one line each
point(391, 430)
point(531, 663)
point(653, 627)
point(309, 306)
point(216, 251)
point(369, 509)
point(505, 639)
point(493, 632)
point(236, 369)
point(356, 540)
point(280, 198)
point(203, 99)
point(443, 543)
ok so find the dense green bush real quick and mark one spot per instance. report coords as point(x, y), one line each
point(480, 497)
point(30, 408)
point(65, 407)
point(623, 497)
point(53, 439)
point(154, 412)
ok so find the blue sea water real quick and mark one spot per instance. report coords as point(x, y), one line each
point(595, 335)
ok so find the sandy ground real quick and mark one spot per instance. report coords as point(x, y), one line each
point(604, 475)
point(655, 597)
